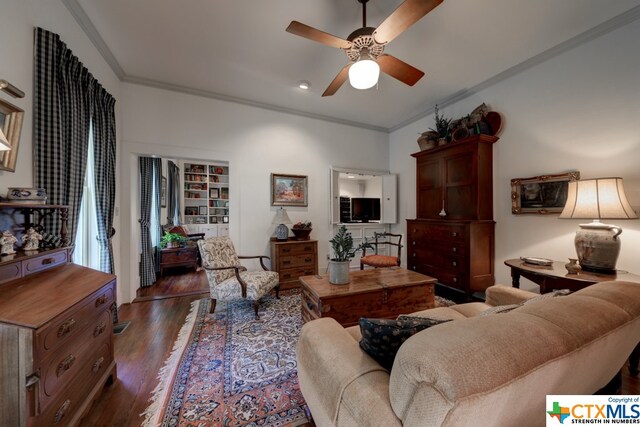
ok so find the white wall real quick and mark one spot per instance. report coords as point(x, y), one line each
point(577, 111)
point(255, 142)
point(18, 18)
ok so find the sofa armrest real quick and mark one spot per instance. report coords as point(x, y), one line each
point(340, 382)
point(505, 295)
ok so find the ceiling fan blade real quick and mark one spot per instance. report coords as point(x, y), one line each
point(338, 81)
point(302, 30)
point(407, 14)
point(399, 70)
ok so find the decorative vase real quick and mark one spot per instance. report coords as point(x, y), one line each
point(338, 272)
point(282, 232)
point(598, 247)
point(572, 266)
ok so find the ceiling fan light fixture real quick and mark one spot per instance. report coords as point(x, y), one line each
point(364, 73)
point(304, 84)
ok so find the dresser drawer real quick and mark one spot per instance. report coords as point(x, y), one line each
point(449, 278)
point(289, 274)
point(304, 260)
point(438, 259)
point(44, 262)
point(67, 362)
point(62, 409)
point(297, 249)
point(433, 232)
point(10, 272)
point(74, 320)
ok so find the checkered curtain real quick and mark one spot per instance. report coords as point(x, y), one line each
point(173, 194)
point(62, 92)
point(150, 178)
point(104, 146)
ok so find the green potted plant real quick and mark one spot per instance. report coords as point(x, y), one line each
point(172, 240)
point(443, 127)
point(343, 251)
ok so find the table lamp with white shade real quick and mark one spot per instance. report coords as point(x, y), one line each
point(281, 218)
point(598, 244)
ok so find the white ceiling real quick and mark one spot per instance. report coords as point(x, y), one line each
point(239, 50)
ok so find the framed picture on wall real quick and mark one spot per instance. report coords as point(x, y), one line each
point(225, 219)
point(163, 193)
point(543, 194)
point(288, 190)
point(214, 193)
point(11, 125)
point(202, 210)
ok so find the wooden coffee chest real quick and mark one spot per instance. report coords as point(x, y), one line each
point(378, 293)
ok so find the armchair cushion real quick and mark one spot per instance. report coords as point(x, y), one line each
point(258, 283)
point(379, 261)
point(216, 253)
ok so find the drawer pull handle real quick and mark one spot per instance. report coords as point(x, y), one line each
point(47, 261)
point(65, 365)
point(307, 248)
point(414, 243)
point(99, 329)
point(414, 267)
point(455, 264)
point(454, 234)
point(286, 250)
point(307, 260)
point(101, 300)
point(97, 365)
point(286, 276)
point(455, 249)
point(61, 412)
point(455, 280)
point(286, 262)
point(414, 254)
point(66, 327)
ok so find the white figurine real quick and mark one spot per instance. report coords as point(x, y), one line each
point(31, 240)
point(7, 241)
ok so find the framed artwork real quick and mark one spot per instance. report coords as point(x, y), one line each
point(191, 210)
point(543, 194)
point(163, 193)
point(202, 210)
point(225, 219)
point(214, 193)
point(213, 220)
point(11, 125)
point(288, 190)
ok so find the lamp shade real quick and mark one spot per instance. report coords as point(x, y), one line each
point(364, 73)
point(4, 144)
point(599, 198)
point(281, 217)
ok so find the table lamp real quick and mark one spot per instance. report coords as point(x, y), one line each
point(281, 218)
point(597, 244)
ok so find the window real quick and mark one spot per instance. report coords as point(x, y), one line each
point(87, 250)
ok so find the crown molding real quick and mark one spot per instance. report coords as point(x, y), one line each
point(599, 30)
point(94, 36)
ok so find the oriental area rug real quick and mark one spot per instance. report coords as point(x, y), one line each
point(227, 369)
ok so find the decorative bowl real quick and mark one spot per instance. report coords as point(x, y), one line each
point(27, 195)
point(301, 233)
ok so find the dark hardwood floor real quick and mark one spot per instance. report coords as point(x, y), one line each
point(176, 282)
point(147, 342)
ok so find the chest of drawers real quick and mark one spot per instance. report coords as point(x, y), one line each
point(56, 333)
point(177, 257)
point(292, 259)
point(457, 253)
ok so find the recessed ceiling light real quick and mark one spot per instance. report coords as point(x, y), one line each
point(351, 176)
point(304, 84)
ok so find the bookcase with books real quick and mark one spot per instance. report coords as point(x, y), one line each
point(206, 195)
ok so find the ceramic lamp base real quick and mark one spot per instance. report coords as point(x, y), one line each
point(598, 247)
point(282, 232)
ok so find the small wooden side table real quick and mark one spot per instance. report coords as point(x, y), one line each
point(178, 257)
point(292, 259)
point(555, 276)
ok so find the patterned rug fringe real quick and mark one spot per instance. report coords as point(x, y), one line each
point(153, 413)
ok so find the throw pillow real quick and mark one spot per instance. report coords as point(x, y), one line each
point(499, 309)
point(382, 338)
point(552, 294)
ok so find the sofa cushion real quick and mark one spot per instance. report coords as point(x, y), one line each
point(381, 338)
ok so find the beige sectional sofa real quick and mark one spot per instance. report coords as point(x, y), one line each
point(475, 370)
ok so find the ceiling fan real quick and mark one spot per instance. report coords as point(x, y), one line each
point(365, 46)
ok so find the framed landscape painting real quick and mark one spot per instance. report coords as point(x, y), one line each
point(288, 190)
point(543, 194)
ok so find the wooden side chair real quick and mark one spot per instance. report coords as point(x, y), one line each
point(376, 260)
point(228, 280)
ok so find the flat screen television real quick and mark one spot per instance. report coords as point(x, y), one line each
point(365, 209)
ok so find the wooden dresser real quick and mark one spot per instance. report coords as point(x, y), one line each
point(56, 338)
point(292, 259)
point(177, 257)
point(453, 237)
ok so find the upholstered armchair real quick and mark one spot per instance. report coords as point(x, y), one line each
point(376, 260)
point(228, 280)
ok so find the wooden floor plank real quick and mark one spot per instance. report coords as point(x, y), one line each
point(145, 345)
